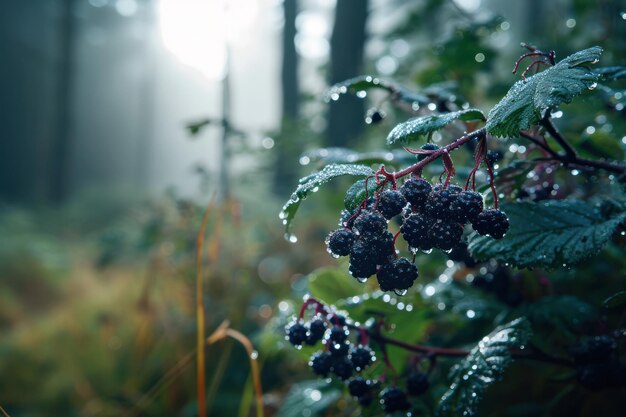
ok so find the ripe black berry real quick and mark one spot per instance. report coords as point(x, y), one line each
point(398, 275)
point(358, 386)
point(342, 367)
point(416, 191)
point(296, 333)
point(467, 206)
point(337, 334)
point(382, 247)
point(391, 203)
point(338, 349)
point(445, 235)
point(363, 260)
point(337, 319)
point(417, 383)
point(439, 201)
point(394, 399)
point(340, 242)
point(361, 357)
point(370, 223)
point(321, 363)
point(426, 147)
point(491, 222)
point(374, 116)
point(317, 328)
point(415, 231)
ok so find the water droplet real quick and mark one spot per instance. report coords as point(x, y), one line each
point(400, 292)
point(254, 354)
point(593, 85)
point(362, 280)
point(361, 94)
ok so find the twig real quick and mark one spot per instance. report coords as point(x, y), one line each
point(546, 122)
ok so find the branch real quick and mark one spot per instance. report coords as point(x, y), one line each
point(546, 122)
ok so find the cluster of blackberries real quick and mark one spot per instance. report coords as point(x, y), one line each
point(342, 358)
point(432, 217)
point(597, 363)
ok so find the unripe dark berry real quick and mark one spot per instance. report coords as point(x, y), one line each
point(394, 399)
point(340, 242)
point(391, 203)
point(342, 367)
point(296, 333)
point(370, 223)
point(467, 206)
point(321, 363)
point(415, 231)
point(491, 222)
point(398, 275)
point(416, 191)
point(361, 357)
point(445, 235)
point(358, 386)
point(417, 383)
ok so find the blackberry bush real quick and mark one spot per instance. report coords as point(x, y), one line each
point(507, 256)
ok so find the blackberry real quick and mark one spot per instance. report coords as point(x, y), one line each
point(338, 349)
point(398, 275)
point(426, 147)
point(394, 399)
point(414, 230)
point(342, 367)
point(417, 383)
point(416, 191)
point(340, 242)
point(491, 222)
point(445, 235)
point(317, 328)
point(391, 203)
point(361, 357)
point(348, 216)
point(382, 247)
point(439, 201)
point(321, 363)
point(363, 260)
point(494, 156)
point(337, 319)
point(296, 333)
point(594, 350)
point(374, 116)
point(337, 334)
point(370, 223)
point(467, 206)
point(358, 386)
point(366, 399)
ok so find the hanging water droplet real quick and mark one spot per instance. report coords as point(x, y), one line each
point(254, 354)
point(361, 94)
point(593, 85)
point(400, 292)
point(362, 280)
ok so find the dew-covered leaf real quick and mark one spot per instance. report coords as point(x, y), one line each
point(357, 193)
point(311, 183)
point(565, 313)
point(484, 365)
point(331, 285)
point(610, 73)
point(309, 398)
point(362, 84)
point(421, 126)
point(525, 103)
point(349, 156)
point(549, 233)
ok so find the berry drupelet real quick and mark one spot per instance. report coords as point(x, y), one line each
point(397, 275)
point(491, 222)
point(416, 191)
point(467, 206)
point(296, 333)
point(321, 363)
point(370, 223)
point(391, 203)
point(340, 242)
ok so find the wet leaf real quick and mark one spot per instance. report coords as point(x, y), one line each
point(610, 73)
point(616, 301)
point(565, 313)
point(349, 156)
point(549, 233)
point(422, 126)
point(330, 285)
point(525, 103)
point(484, 365)
point(357, 193)
point(367, 82)
point(311, 183)
point(309, 398)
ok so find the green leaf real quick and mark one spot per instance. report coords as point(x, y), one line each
point(367, 82)
point(616, 301)
point(422, 126)
point(309, 398)
point(610, 73)
point(357, 193)
point(484, 365)
point(525, 103)
point(561, 313)
point(310, 184)
point(331, 285)
point(549, 233)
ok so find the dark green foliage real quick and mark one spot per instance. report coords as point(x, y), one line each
point(484, 365)
point(526, 102)
point(413, 129)
point(549, 233)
